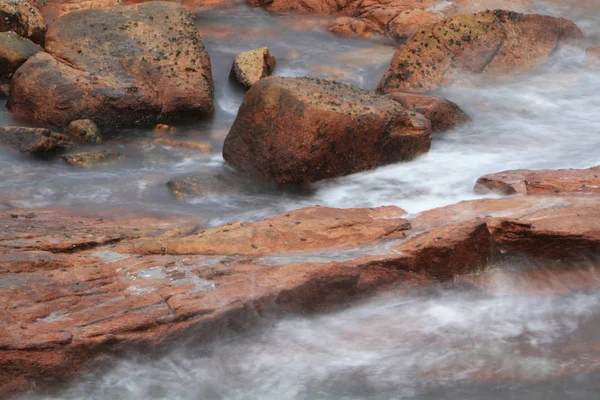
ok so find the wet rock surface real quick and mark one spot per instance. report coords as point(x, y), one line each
point(67, 6)
point(77, 286)
point(531, 182)
point(120, 67)
point(14, 51)
point(197, 186)
point(21, 17)
point(34, 141)
point(91, 159)
point(84, 131)
point(301, 130)
point(442, 113)
point(472, 48)
point(251, 66)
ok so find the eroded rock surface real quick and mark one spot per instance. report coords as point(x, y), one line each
point(14, 51)
point(301, 130)
point(34, 141)
point(470, 48)
point(251, 66)
point(531, 182)
point(91, 159)
point(24, 19)
point(119, 67)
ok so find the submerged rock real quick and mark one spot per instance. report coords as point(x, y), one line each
point(14, 51)
point(34, 141)
point(91, 159)
point(251, 66)
point(22, 18)
point(442, 113)
point(84, 131)
point(592, 57)
point(470, 48)
point(202, 147)
point(197, 186)
point(127, 66)
point(301, 130)
point(530, 182)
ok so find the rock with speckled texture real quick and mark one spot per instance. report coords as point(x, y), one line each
point(251, 66)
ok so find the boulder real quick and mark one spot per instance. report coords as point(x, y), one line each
point(91, 159)
point(470, 48)
point(34, 141)
point(301, 130)
point(67, 6)
point(84, 131)
point(532, 182)
point(251, 66)
point(22, 18)
point(442, 113)
point(122, 66)
point(14, 51)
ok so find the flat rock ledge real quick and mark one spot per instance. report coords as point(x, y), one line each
point(75, 287)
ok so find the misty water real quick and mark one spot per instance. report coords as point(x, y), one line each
point(438, 344)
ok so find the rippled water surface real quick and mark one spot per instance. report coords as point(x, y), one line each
point(445, 344)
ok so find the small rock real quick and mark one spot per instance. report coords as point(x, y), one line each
point(84, 131)
point(251, 66)
point(197, 186)
point(161, 129)
point(199, 146)
point(91, 158)
point(34, 141)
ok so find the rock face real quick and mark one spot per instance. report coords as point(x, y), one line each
point(22, 18)
point(67, 6)
point(84, 131)
point(528, 182)
point(473, 47)
point(34, 141)
point(301, 130)
point(119, 67)
point(396, 19)
point(91, 159)
point(14, 51)
point(442, 113)
point(251, 66)
point(75, 287)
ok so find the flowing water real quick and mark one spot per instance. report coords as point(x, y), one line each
point(447, 344)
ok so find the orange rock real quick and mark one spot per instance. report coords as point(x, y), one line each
point(337, 130)
point(67, 6)
point(164, 128)
point(528, 182)
point(202, 147)
point(592, 56)
point(469, 48)
point(24, 19)
point(251, 66)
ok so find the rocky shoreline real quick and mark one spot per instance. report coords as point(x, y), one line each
point(76, 286)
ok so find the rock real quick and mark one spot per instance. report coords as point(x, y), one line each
point(162, 129)
point(91, 159)
point(76, 287)
point(124, 69)
point(34, 141)
point(22, 18)
point(592, 56)
point(197, 186)
point(470, 48)
point(251, 66)
point(531, 182)
point(84, 131)
point(67, 6)
point(196, 146)
point(301, 130)
point(14, 51)
point(442, 113)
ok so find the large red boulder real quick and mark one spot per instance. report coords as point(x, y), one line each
point(470, 48)
point(24, 19)
point(119, 67)
point(301, 130)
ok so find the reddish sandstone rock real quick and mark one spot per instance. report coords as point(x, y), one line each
point(14, 51)
point(202, 147)
point(84, 131)
point(442, 113)
point(301, 130)
point(74, 287)
point(531, 182)
point(119, 66)
point(469, 48)
point(251, 66)
point(34, 141)
point(91, 159)
point(67, 6)
point(22, 18)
